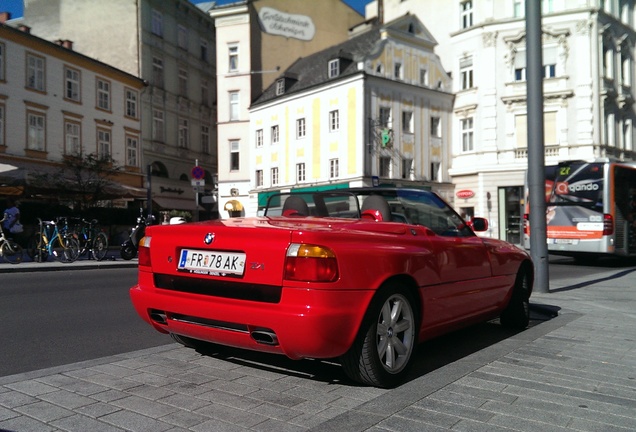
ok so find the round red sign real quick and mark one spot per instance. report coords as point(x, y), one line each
point(466, 193)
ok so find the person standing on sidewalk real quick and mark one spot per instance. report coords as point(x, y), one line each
point(10, 218)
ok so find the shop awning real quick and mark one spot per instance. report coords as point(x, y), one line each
point(169, 203)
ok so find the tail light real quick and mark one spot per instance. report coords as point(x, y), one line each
point(608, 224)
point(144, 251)
point(526, 223)
point(310, 263)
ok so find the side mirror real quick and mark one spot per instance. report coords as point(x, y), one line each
point(478, 224)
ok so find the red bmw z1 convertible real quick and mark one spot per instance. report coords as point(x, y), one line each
point(362, 275)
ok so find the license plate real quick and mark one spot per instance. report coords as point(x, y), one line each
point(212, 262)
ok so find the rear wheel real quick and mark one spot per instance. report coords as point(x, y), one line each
point(189, 342)
point(128, 251)
point(100, 246)
point(382, 352)
point(65, 249)
point(12, 252)
point(517, 313)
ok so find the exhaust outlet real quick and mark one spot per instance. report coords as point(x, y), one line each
point(158, 316)
point(265, 337)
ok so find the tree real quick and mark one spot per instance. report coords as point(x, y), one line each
point(82, 179)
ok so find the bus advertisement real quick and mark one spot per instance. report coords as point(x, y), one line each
point(590, 209)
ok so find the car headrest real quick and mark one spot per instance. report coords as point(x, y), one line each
point(295, 206)
point(377, 207)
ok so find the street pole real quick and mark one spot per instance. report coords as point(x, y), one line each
point(149, 194)
point(536, 151)
point(196, 197)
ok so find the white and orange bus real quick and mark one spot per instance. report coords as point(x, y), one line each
point(590, 209)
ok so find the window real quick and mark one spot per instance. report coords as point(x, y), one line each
point(132, 150)
point(203, 45)
point(234, 106)
point(424, 77)
point(157, 23)
point(2, 62)
point(157, 72)
point(549, 129)
point(131, 103)
point(205, 92)
point(234, 155)
point(72, 84)
point(436, 173)
point(300, 172)
point(183, 133)
point(334, 120)
point(259, 178)
point(72, 138)
point(259, 138)
point(274, 175)
point(519, 10)
point(467, 134)
point(103, 143)
point(397, 71)
point(157, 126)
point(233, 53)
point(436, 127)
point(407, 168)
point(37, 132)
point(626, 67)
point(205, 139)
point(35, 72)
point(466, 73)
point(334, 168)
point(275, 134)
point(182, 37)
point(385, 117)
point(467, 14)
point(385, 166)
point(407, 121)
point(103, 94)
point(183, 82)
point(334, 68)
point(549, 63)
point(280, 87)
point(300, 128)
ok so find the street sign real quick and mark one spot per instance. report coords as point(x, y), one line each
point(198, 182)
point(198, 173)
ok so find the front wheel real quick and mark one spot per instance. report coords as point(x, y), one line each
point(382, 352)
point(100, 246)
point(517, 314)
point(12, 252)
point(65, 249)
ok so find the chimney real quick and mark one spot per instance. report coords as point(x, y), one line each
point(4, 17)
point(68, 44)
point(25, 28)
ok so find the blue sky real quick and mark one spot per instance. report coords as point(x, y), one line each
point(15, 6)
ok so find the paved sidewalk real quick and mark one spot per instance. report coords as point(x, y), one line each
point(574, 369)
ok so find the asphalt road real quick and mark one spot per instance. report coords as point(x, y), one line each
point(54, 318)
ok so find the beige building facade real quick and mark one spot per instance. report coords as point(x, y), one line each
point(170, 44)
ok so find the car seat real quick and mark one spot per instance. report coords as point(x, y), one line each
point(375, 207)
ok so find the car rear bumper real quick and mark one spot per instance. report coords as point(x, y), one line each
point(305, 323)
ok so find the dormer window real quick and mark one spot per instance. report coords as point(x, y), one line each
point(334, 68)
point(280, 87)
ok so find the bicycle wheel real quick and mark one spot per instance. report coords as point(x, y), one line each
point(100, 246)
point(65, 249)
point(36, 248)
point(12, 252)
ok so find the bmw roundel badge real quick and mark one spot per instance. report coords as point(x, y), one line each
point(209, 238)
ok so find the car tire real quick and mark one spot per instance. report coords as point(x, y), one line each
point(517, 314)
point(383, 350)
point(188, 342)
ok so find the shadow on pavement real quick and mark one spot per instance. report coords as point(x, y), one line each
point(429, 356)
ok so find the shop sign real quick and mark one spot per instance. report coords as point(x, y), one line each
point(287, 25)
point(465, 194)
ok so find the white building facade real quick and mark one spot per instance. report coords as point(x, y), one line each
point(55, 102)
point(588, 64)
point(373, 110)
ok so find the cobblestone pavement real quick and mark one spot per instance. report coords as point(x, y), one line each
point(573, 369)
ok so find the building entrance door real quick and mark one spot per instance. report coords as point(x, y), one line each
point(510, 205)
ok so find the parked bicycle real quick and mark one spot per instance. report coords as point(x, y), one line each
point(54, 239)
point(92, 240)
point(10, 251)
